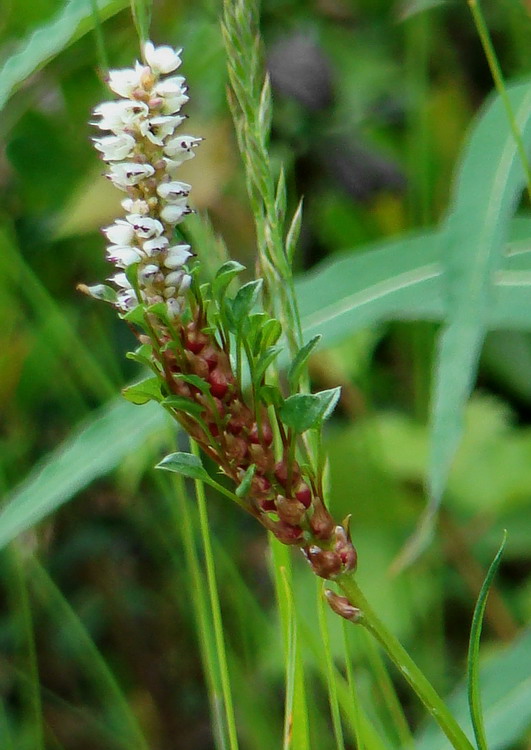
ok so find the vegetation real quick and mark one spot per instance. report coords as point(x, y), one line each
point(143, 610)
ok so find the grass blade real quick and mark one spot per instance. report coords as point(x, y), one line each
point(489, 184)
point(473, 681)
point(70, 24)
point(328, 659)
point(78, 461)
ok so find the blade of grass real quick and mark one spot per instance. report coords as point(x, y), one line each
point(388, 693)
point(73, 21)
point(501, 88)
point(94, 663)
point(98, 35)
point(355, 712)
point(183, 522)
point(216, 610)
point(326, 655)
point(477, 231)
point(21, 605)
point(473, 681)
point(296, 716)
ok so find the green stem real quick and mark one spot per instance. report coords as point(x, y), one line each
point(330, 672)
point(216, 609)
point(497, 76)
point(405, 664)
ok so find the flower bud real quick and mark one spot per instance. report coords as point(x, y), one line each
point(218, 381)
point(303, 494)
point(289, 510)
point(342, 607)
point(324, 562)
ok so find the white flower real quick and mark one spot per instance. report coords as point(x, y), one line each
point(123, 255)
point(180, 149)
point(129, 173)
point(115, 147)
point(174, 307)
point(144, 226)
point(119, 233)
point(162, 59)
point(124, 82)
point(156, 246)
point(126, 300)
point(135, 207)
point(148, 273)
point(156, 129)
point(173, 213)
point(121, 280)
point(177, 256)
point(173, 93)
point(174, 191)
point(116, 116)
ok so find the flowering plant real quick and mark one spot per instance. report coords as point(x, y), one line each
point(198, 340)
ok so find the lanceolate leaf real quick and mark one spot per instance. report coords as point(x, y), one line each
point(95, 449)
point(72, 21)
point(506, 690)
point(303, 411)
point(146, 390)
point(185, 464)
point(488, 188)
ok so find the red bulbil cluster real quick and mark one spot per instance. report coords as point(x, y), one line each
point(236, 437)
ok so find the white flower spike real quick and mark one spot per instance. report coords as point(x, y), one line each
point(144, 153)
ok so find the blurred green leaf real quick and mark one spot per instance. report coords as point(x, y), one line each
point(506, 688)
point(300, 360)
point(243, 488)
point(71, 23)
point(118, 427)
point(490, 180)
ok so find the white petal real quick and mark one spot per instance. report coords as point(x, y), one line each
point(174, 307)
point(174, 191)
point(135, 207)
point(161, 59)
point(124, 82)
point(119, 233)
point(144, 226)
point(177, 256)
point(121, 280)
point(156, 129)
point(173, 213)
point(126, 300)
point(115, 147)
point(129, 173)
point(122, 256)
point(173, 93)
point(153, 247)
point(149, 273)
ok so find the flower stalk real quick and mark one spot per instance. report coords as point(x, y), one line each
point(212, 351)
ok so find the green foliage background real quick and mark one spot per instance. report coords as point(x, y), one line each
point(410, 277)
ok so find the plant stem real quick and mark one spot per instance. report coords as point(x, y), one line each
point(492, 60)
point(216, 609)
point(405, 664)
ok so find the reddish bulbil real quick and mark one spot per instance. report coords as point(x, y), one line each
point(303, 494)
point(262, 436)
point(218, 383)
point(289, 510)
point(287, 534)
point(195, 340)
point(211, 356)
point(281, 472)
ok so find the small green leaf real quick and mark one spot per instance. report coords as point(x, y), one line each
point(473, 681)
point(196, 381)
point(252, 329)
point(224, 276)
point(184, 404)
point(186, 465)
point(267, 357)
point(142, 355)
point(299, 362)
point(303, 411)
point(141, 393)
point(244, 301)
point(294, 232)
point(136, 316)
point(270, 395)
point(242, 490)
point(271, 332)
